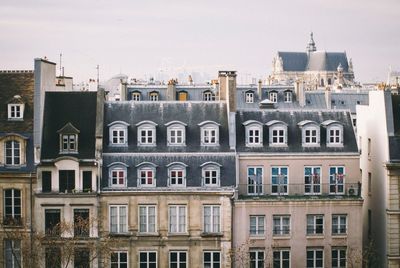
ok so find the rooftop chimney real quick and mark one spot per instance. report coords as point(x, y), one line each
point(171, 90)
point(300, 94)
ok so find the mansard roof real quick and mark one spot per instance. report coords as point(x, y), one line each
point(75, 108)
point(293, 118)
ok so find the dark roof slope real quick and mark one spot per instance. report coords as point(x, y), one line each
point(294, 61)
point(190, 113)
point(16, 83)
point(394, 141)
point(292, 118)
point(61, 108)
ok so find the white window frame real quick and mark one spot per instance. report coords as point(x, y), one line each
point(173, 129)
point(312, 182)
point(314, 257)
point(279, 225)
point(334, 135)
point(311, 135)
point(12, 248)
point(175, 168)
point(122, 133)
point(208, 171)
point(208, 96)
point(214, 225)
point(147, 258)
point(118, 169)
point(149, 129)
point(336, 261)
point(154, 96)
point(149, 228)
point(177, 223)
point(119, 263)
point(12, 153)
point(337, 180)
point(122, 223)
point(209, 133)
point(136, 96)
point(281, 184)
point(312, 225)
point(255, 181)
point(179, 263)
point(273, 96)
point(15, 111)
point(274, 133)
point(251, 135)
point(13, 217)
point(339, 228)
point(146, 170)
point(288, 96)
point(259, 256)
point(249, 97)
point(68, 143)
point(212, 263)
point(281, 257)
point(258, 228)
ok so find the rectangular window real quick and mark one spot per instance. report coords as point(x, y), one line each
point(338, 257)
point(369, 183)
point(12, 207)
point(336, 180)
point(177, 219)
point(178, 259)
point(69, 143)
point(210, 136)
point(118, 177)
point(46, 181)
point(146, 136)
point(52, 222)
point(249, 97)
point(147, 177)
point(281, 258)
point(177, 177)
point(288, 96)
point(273, 97)
point(257, 259)
point(369, 147)
point(118, 219)
point(147, 219)
point(13, 152)
point(312, 180)
point(119, 259)
point(278, 136)
point(118, 136)
point(211, 177)
point(53, 257)
point(334, 135)
point(81, 258)
point(310, 136)
point(66, 180)
point(211, 219)
point(12, 253)
point(257, 224)
point(279, 179)
point(154, 96)
point(147, 259)
point(176, 137)
point(369, 223)
point(15, 111)
point(87, 181)
point(339, 224)
point(253, 136)
point(315, 224)
point(281, 225)
point(212, 259)
point(81, 222)
point(315, 258)
point(255, 180)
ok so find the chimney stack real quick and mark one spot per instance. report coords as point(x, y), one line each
point(300, 94)
point(171, 90)
point(328, 98)
point(259, 89)
point(227, 87)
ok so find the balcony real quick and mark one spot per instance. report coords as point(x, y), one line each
point(301, 190)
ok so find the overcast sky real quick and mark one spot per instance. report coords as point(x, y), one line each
point(141, 37)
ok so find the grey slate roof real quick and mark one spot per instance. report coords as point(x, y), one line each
point(294, 61)
point(61, 108)
point(292, 118)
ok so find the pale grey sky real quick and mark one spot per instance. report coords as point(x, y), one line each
point(138, 37)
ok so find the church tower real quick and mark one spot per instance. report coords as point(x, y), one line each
point(311, 45)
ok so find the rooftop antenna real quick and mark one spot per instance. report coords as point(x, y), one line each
point(98, 75)
point(61, 73)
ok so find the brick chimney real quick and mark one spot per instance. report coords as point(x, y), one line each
point(171, 90)
point(227, 87)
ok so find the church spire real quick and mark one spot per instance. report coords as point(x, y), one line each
point(311, 44)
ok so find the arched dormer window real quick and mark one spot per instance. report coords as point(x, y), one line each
point(277, 133)
point(136, 96)
point(146, 134)
point(68, 138)
point(310, 132)
point(254, 133)
point(183, 96)
point(249, 96)
point(146, 173)
point(177, 174)
point(273, 96)
point(288, 96)
point(208, 95)
point(117, 174)
point(209, 133)
point(176, 133)
point(118, 133)
point(334, 133)
point(211, 174)
point(14, 152)
point(154, 96)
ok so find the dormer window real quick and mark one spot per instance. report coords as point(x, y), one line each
point(146, 174)
point(118, 133)
point(310, 133)
point(209, 131)
point(273, 96)
point(146, 133)
point(182, 96)
point(277, 133)
point(249, 97)
point(117, 174)
point(136, 96)
point(13, 153)
point(211, 174)
point(177, 174)
point(68, 139)
point(15, 111)
point(154, 96)
point(208, 96)
point(288, 96)
point(254, 133)
point(334, 133)
point(176, 133)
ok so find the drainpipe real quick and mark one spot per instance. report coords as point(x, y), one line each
point(31, 220)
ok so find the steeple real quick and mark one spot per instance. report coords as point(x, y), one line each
point(311, 44)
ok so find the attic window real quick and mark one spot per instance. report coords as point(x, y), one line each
point(254, 133)
point(146, 174)
point(209, 133)
point(249, 97)
point(15, 111)
point(136, 96)
point(310, 133)
point(208, 96)
point(358, 102)
point(211, 174)
point(342, 102)
point(277, 133)
point(154, 96)
point(177, 174)
point(146, 133)
point(288, 96)
point(176, 133)
point(273, 96)
point(118, 133)
point(68, 139)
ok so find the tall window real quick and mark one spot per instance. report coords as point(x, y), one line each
point(87, 181)
point(13, 152)
point(136, 96)
point(249, 97)
point(119, 259)
point(336, 180)
point(66, 180)
point(46, 181)
point(281, 258)
point(81, 258)
point(12, 253)
point(53, 257)
point(178, 259)
point(312, 180)
point(273, 96)
point(212, 259)
point(279, 179)
point(339, 224)
point(118, 219)
point(81, 222)
point(255, 180)
point(177, 219)
point(281, 225)
point(257, 225)
point(338, 257)
point(147, 176)
point(257, 259)
point(148, 259)
point(288, 96)
point(52, 222)
point(211, 220)
point(12, 207)
point(15, 111)
point(117, 177)
point(147, 219)
point(315, 258)
point(315, 224)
